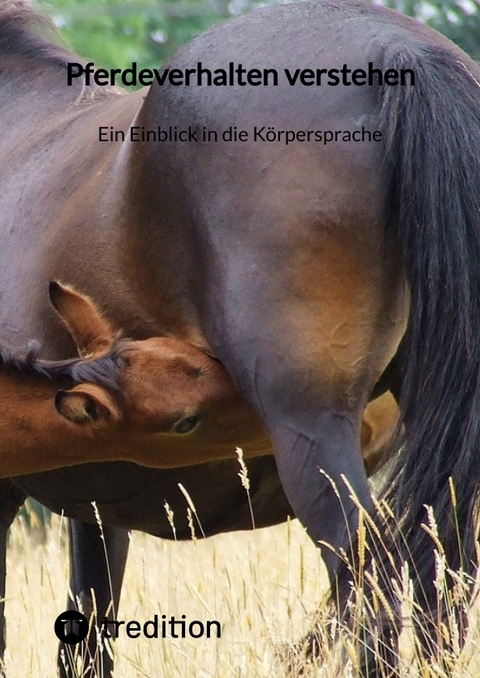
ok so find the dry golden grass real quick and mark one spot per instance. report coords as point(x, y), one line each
point(263, 586)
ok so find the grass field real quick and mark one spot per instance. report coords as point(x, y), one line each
point(263, 587)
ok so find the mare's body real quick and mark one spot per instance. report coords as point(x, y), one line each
point(290, 263)
point(95, 230)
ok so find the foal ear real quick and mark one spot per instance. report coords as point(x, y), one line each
point(92, 334)
point(87, 403)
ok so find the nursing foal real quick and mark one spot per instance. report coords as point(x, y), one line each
point(122, 399)
point(160, 402)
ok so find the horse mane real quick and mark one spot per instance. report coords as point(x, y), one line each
point(104, 371)
point(21, 30)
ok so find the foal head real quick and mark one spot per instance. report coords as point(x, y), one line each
point(152, 391)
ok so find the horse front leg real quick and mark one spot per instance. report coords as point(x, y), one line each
point(97, 565)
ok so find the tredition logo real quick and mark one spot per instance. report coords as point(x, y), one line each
point(71, 627)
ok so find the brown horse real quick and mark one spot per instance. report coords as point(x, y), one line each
point(162, 386)
point(299, 266)
point(125, 396)
point(160, 402)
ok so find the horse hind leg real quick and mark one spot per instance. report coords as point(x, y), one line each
point(98, 561)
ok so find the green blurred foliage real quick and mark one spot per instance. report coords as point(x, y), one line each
point(459, 20)
point(113, 33)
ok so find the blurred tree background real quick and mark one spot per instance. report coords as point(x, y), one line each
point(113, 33)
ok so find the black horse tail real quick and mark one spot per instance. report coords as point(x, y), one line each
point(432, 163)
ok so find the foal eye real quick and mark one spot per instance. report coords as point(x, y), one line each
point(91, 411)
point(187, 425)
